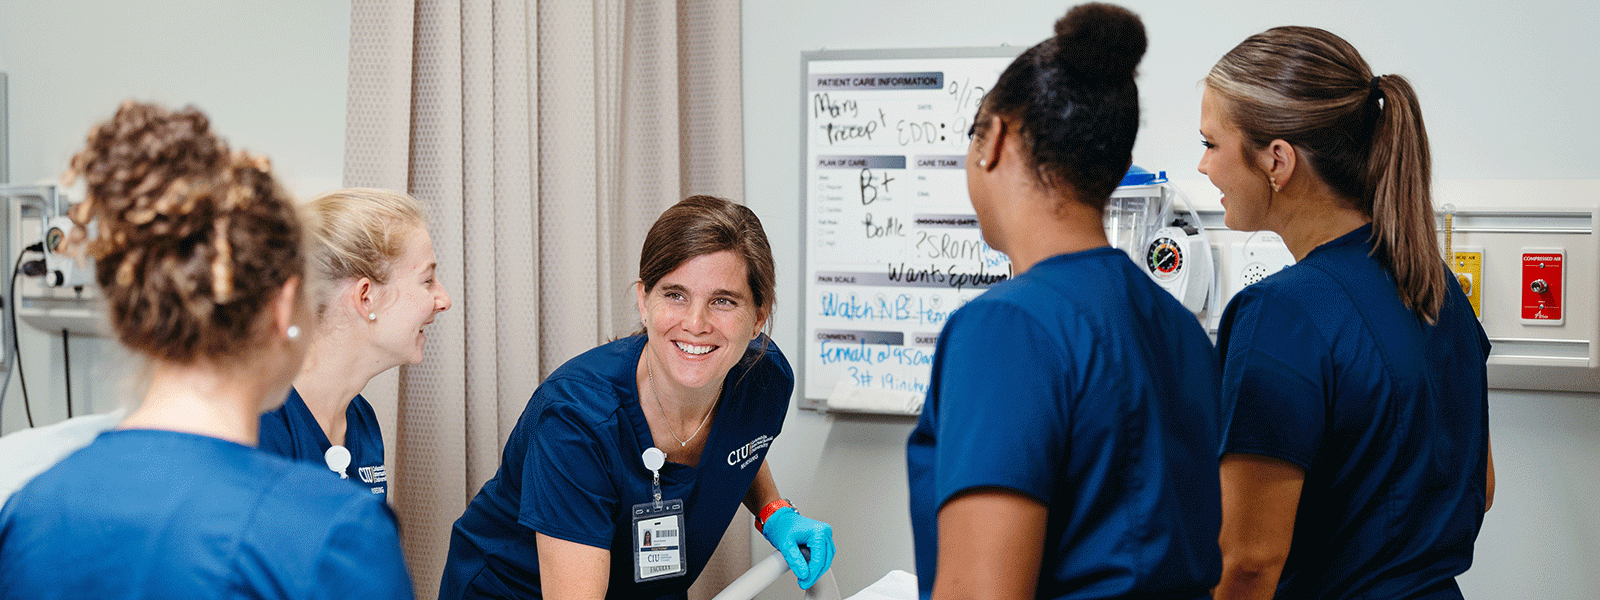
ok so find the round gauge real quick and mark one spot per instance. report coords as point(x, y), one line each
point(1164, 259)
point(53, 239)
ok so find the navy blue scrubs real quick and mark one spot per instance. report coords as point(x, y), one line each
point(1387, 414)
point(1085, 386)
point(162, 514)
point(572, 470)
point(291, 431)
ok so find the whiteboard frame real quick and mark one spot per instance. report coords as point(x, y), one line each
point(806, 58)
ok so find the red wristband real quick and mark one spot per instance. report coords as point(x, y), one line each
point(766, 511)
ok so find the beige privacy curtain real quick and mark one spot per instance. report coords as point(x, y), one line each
point(543, 137)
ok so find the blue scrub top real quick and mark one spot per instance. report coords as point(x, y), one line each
point(1085, 386)
point(1388, 416)
point(161, 514)
point(572, 470)
point(291, 431)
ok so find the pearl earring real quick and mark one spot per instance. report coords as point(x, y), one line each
point(293, 332)
point(372, 316)
point(983, 163)
point(1274, 182)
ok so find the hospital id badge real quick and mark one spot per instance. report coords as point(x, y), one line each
point(658, 541)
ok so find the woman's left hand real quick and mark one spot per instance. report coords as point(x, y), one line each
point(788, 530)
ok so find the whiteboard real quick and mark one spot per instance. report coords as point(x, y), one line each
point(890, 244)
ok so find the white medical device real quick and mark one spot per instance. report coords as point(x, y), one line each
point(64, 269)
point(1173, 249)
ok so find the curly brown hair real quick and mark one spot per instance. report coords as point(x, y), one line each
point(193, 239)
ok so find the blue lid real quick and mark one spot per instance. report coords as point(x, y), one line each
point(1138, 176)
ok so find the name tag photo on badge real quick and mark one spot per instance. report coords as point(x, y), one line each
point(658, 540)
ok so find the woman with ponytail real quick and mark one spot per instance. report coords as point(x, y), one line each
point(1357, 460)
point(200, 256)
point(1067, 445)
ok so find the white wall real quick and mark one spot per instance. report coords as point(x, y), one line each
point(1507, 91)
point(270, 73)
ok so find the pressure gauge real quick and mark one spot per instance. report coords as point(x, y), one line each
point(53, 239)
point(1164, 259)
point(1177, 260)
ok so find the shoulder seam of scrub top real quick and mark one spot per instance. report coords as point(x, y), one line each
point(604, 388)
point(281, 475)
point(349, 509)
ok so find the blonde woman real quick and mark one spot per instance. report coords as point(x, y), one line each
point(1357, 462)
point(374, 265)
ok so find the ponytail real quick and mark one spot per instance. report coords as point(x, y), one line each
point(1400, 172)
point(1362, 135)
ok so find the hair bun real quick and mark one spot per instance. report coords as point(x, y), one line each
point(1099, 42)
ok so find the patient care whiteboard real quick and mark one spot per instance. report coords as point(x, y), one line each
point(891, 244)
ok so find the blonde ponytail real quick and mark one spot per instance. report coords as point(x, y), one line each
point(1362, 135)
point(1400, 169)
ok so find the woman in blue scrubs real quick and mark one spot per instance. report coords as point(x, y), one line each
point(1357, 463)
point(374, 268)
point(198, 253)
point(630, 460)
point(1067, 445)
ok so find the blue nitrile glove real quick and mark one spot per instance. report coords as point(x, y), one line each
point(787, 530)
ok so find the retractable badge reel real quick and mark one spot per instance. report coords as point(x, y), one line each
point(658, 538)
point(338, 459)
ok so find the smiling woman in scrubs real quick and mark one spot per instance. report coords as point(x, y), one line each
point(1067, 448)
point(374, 269)
point(1357, 463)
point(631, 459)
point(199, 255)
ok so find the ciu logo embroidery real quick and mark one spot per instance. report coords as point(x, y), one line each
point(746, 455)
point(377, 474)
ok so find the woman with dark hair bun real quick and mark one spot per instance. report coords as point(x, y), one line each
point(1357, 463)
point(1067, 447)
point(200, 256)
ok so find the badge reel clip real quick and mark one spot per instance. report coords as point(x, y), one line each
point(338, 459)
point(658, 534)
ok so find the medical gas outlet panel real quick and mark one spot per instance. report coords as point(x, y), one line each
point(54, 289)
point(1531, 276)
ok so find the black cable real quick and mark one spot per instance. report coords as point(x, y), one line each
point(66, 359)
point(16, 347)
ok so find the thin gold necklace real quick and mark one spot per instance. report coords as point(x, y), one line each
point(651, 375)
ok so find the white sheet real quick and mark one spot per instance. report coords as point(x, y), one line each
point(27, 453)
point(896, 585)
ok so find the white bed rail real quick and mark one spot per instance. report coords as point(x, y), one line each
point(769, 570)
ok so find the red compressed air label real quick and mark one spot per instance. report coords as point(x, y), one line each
point(1541, 285)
